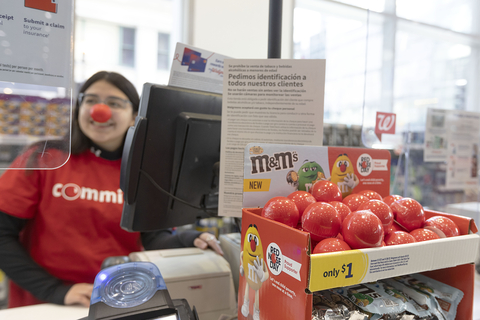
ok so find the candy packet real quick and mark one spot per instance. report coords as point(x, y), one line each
point(340, 312)
point(322, 312)
point(372, 298)
point(422, 298)
point(448, 297)
point(341, 305)
point(411, 305)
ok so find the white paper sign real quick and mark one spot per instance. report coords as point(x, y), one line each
point(36, 42)
point(462, 161)
point(197, 69)
point(451, 136)
point(269, 101)
point(436, 136)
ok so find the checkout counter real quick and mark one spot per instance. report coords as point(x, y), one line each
point(208, 281)
point(47, 311)
point(202, 277)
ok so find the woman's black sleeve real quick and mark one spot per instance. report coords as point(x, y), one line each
point(21, 268)
point(166, 239)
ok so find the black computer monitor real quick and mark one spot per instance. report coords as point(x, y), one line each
point(170, 162)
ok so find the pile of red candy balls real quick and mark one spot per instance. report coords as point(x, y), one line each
point(360, 220)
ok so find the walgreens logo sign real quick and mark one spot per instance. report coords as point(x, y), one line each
point(72, 191)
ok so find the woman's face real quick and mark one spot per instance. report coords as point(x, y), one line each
point(107, 135)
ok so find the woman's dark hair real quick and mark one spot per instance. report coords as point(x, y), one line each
point(80, 142)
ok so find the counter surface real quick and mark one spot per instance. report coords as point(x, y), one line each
point(45, 311)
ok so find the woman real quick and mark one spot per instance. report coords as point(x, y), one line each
point(57, 226)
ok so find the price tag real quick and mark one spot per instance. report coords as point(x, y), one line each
point(338, 269)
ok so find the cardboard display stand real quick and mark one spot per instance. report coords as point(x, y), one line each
point(279, 284)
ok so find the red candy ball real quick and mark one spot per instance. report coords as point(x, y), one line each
point(382, 211)
point(391, 198)
point(353, 201)
point(362, 229)
point(422, 234)
point(302, 200)
point(321, 220)
point(326, 191)
point(281, 209)
point(444, 224)
point(399, 237)
point(331, 245)
point(408, 213)
point(370, 194)
point(342, 209)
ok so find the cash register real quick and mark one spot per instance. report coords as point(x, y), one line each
point(170, 178)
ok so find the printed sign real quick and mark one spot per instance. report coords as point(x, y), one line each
point(451, 136)
point(39, 37)
point(197, 69)
point(278, 170)
point(45, 5)
point(271, 269)
point(267, 101)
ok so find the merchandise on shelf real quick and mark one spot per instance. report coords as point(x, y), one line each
point(278, 264)
point(34, 116)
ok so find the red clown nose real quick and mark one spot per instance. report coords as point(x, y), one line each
point(100, 112)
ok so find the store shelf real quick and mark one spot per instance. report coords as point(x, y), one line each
point(449, 259)
point(20, 140)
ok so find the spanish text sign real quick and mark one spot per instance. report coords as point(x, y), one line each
point(269, 101)
point(36, 41)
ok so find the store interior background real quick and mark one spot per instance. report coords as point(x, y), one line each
point(402, 57)
point(382, 55)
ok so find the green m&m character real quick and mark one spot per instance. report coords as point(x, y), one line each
point(309, 173)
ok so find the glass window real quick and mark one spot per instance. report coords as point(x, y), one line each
point(163, 61)
point(399, 56)
point(430, 72)
point(127, 55)
point(387, 63)
point(102, 41)
point(351, 43)
point(375, 5)
point(456, 15)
